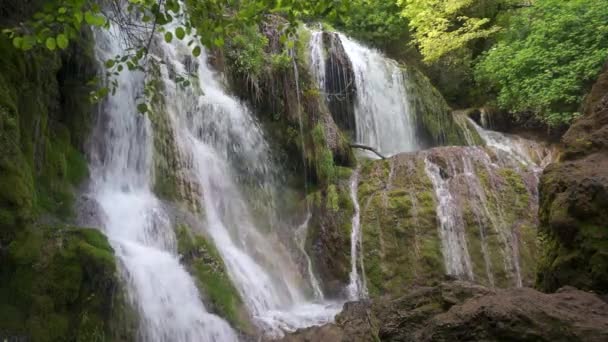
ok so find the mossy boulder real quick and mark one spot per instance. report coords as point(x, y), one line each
point(492, 209)
point(61, 284)
point(204, 262)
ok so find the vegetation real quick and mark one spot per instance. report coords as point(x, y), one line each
point(377, 22)
point(536, 58)
point(546, 58)
point(441, 27)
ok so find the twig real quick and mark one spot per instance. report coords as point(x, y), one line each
point(369, 148)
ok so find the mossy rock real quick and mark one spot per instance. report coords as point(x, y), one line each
point(62, 285)
point(204, 262)
point(44, 111)
point(402, 244)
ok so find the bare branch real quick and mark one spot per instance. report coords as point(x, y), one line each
point(369, 148)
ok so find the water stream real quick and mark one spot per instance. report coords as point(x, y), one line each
point(356, 288)
point(218, 133)
point(383, 116)
point(135, 222)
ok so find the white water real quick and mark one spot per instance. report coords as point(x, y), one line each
point(137, 226)
point(525, 156)
point(317, 58)
point(301, 235)
point(451, 229)
point(218, 133)
point(527, 152)
point(356, 288)
point(383, 116)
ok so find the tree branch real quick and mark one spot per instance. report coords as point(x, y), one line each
point(369, 148)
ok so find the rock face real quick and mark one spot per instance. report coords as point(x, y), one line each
point(340, 86)
point(574, 203)
point(463, 211)
point(465, 312)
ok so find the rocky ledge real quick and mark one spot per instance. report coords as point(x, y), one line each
point(459, 311)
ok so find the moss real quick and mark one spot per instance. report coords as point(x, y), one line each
point(303, 52)
point(332, 198)
point(401, 245)
point(433, 114)
point(205, 263)
point(43, 100)
point(62, 285)
point(582, 264)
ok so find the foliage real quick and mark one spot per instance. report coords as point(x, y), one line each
point(443, 26)
point(245, 51)
point(547, 57)
point(376, 21)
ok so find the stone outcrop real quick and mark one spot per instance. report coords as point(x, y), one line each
point(574, 203)
point(458, 311)
point(469, 212)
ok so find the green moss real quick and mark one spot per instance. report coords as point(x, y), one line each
point(205, 263)
point(583, 264)
point(62, 285)
point(303, 52)
point(433, 114)
point(43, 100)
point(401, 245)
point(332, 198)
point(323, 159)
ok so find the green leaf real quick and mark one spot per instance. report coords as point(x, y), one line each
point(197, 51)
point(110, 63)
point(51, 44)
point(142, 108)
point(94, 19)
point(18, 42)
point(79, 17)
point(62, 41)
point(219, 42)
point(180, 33)
point(168, 37)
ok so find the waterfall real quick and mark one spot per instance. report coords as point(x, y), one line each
point(356, 288)
point(135, 222)
point(451, 228)
point(510, 147)
point(384, 118)
point(457, 181)
point(317, 58)
point(229, 153)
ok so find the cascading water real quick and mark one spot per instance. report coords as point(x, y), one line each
point(458, 185)
point(356, 288)
point(300, 237)
point(317, 58)
point(217, 133)
point(454, 246)
point(383, 116)
point(135, 222)
point(525, 151)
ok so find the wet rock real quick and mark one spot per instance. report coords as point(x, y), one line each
point(459, 311)
point(340, 85)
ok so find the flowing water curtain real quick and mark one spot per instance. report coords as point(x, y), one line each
point(138, 227)
point(214, 130)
